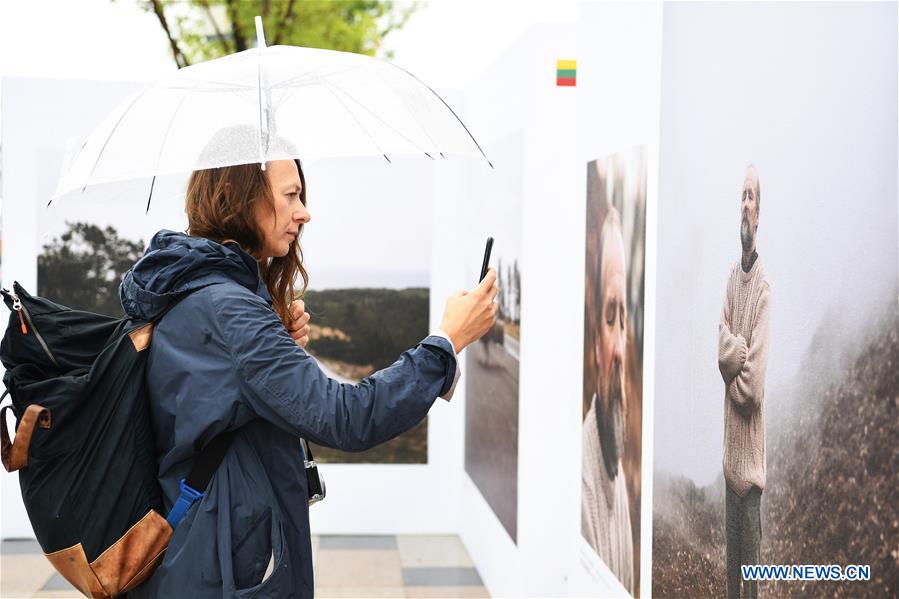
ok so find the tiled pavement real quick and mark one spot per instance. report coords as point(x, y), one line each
point(345, 566)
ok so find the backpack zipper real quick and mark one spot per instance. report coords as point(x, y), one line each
point(18, 307)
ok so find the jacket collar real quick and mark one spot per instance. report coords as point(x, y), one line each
point(176, 263)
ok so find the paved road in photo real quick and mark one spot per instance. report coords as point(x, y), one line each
point(491, 428)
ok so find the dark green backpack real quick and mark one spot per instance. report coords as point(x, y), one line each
point(84, 446)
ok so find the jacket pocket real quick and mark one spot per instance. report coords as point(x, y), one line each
point(276, 583)
point(252, 552)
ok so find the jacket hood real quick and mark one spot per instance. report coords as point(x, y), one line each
point(175, 264)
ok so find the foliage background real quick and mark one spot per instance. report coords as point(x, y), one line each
point(200, 30)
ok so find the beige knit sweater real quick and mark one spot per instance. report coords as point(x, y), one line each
point(605, 515)
point(742, 360)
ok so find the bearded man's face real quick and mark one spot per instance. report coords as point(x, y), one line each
point(612, 341)
point(749, 210)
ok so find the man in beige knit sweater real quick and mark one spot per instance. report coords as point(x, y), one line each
point(605, 515)
point(742, 360)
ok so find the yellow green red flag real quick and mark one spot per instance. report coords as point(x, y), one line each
point(566, 73)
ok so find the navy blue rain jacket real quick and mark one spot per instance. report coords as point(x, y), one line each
point(221, 359)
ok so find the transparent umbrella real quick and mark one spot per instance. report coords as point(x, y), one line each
point(322, 103)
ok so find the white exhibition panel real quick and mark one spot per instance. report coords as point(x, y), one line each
point(614, 106)
point(619, 77)
point(552, 309)
point(562, 128)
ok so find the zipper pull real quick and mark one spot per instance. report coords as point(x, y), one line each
point(17, 306)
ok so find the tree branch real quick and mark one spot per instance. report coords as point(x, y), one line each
point(398, 22)
point(240, 44)
point(180, 58)
point(218, 32)
point(282, 23)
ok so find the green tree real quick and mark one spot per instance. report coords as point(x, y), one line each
point(200, 30)
point(83, 267)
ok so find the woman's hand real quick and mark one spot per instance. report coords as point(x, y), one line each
point(299, 327)
point(468, 316)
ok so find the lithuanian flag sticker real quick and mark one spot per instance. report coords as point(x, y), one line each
point(566, 73)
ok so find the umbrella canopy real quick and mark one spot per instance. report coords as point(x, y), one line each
point(322, 103)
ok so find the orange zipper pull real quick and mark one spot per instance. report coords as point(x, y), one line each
point(17, 306)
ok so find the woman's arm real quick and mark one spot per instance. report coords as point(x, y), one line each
point(284, 384)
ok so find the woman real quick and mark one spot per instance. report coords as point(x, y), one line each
point(228, 356)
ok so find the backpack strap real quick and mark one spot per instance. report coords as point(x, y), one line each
point(194, 486)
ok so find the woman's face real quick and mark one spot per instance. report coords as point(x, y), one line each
point(281, 228)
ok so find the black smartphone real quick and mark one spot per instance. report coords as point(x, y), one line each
point(486, 264)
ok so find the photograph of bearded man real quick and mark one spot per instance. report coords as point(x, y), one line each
point(605, 512)
point(742, 361)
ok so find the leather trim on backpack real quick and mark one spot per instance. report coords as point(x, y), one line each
point(72, 564)
point(124, 565)
point(141, 337)
point(15, 454)
point(130, 560)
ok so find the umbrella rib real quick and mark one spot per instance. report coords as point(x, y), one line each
point(248, 98)
point(74, 160)
point(179, 81)
point(149, 197)
point(294, 81)
point(176, 80)
point(111, 133)
point(208, 89)
point(448, 108)
point(287, 83)
point(358, 122)
point(414, 118)
point(386, 124)
point(165, 138)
